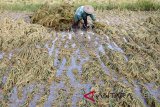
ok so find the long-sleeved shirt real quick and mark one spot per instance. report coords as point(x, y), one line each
point(81, 14)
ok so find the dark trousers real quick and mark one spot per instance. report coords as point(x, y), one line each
point(76, 24)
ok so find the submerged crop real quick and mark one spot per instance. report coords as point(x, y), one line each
point(53, 68)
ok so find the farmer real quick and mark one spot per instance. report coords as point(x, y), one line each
point(81, 13)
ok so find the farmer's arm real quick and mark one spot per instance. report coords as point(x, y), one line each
point(76, 18)
point(93, 17)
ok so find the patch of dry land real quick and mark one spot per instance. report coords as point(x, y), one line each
point(42, 67)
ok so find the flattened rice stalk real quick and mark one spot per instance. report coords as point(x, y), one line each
point(22, 34)
point(65, 53)
point(149, 98)
point(91, 70)
point(142, 52)
point(155, 20)
point(116, 62)
point(137, 66)
point(102, 29)
point(28, 64)
point(36, 70)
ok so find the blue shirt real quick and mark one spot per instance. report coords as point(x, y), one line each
point(81, 14)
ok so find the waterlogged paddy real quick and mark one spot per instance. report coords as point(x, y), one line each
point(41, 68)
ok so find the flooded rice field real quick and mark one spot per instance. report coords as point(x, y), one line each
point(44, 68)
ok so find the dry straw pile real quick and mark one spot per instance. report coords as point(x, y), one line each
point(58, 17)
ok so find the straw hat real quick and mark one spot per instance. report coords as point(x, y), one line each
point(88, 9)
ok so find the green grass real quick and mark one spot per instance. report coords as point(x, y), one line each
point(20, 7)
point(143, 5)
point(101, 6)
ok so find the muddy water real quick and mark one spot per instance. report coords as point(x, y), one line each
point(74, 83)
point(155, 92)
point(1, 55)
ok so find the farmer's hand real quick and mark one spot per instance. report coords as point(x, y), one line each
point(93, 26)
point(94, 22)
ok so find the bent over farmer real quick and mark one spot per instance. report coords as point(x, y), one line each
point(81, 13)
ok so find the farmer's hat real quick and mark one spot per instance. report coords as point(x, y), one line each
point(88, 9)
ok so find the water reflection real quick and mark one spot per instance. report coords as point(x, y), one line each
point(56, 57)
point(53, 93)
point(114, 46)
point(15, 101)
point(138, 94)
point(1, 55)
point(61, 68)
point(10, 55)
point(50, 50)
point(155, 92)
point(101, 49)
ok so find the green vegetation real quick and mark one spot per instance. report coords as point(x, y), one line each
point(143, 5)
point(20, 7)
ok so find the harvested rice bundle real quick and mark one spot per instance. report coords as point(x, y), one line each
point(28, 63)
point(15, 34)
point(58, 17)
point(92, 70)
point(155, 20)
